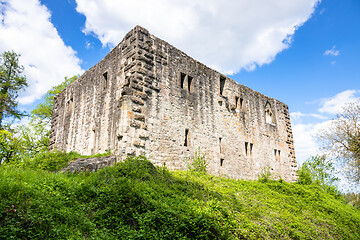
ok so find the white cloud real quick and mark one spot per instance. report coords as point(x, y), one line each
point(26, 28)
point(334, 105)
point(296, 116)
point(332, 52)
point(227, 35)
point(305, 140)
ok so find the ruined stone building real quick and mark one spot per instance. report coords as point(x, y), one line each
point(147, 97)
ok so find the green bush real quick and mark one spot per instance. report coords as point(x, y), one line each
point(198, 163)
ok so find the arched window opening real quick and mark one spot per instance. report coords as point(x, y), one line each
point(269, 116)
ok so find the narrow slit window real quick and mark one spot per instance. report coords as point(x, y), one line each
point(246, 148)
point(241, 103)
point(182, 79)
point(279, 153)
point(221, 162)
point(222, 84)
point(251, 148)
point(105, 75)
point(221, 150)
point(275, 151)
point(186, 137)
point(189, 83)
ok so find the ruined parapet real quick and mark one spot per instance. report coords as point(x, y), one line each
point(147, 97)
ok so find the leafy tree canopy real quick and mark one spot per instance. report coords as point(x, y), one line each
point(11, 81)
point(44, 110)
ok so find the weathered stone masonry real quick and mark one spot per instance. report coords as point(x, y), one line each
point(147, 97)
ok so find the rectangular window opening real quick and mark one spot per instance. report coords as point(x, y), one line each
point(246, 148)
point(236, 101)
point(186, 137)
point(182, 79)
point(189, 83)
point(275, 152)
point(279, 152)
point(222, 84)
point(220, 145)
point(105, 75)
point(251, 148)
point(241, 103)
point(221, 161)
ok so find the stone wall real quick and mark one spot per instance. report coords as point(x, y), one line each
point(147, 97)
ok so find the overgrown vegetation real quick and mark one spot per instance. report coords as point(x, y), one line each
point(198, 163)
point(136, 200)
point(27, 140)
point(319, 170)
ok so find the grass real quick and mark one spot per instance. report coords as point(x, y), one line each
point(135, 200)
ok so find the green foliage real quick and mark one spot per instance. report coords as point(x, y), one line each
point(198, 163)
point(9, 146)
point(11, 82)
point(135, 200)
point(51, 161)
point(352, 199)
point(265, 175)
point(320, 171)
point(27, 140)
point(44, 110)
point(33, 138)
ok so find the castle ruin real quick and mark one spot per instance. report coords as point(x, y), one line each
point(147, 97)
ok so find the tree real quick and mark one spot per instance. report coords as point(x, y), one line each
point(44, 110)
point(318, 170)
point(27, 140)
point(11, 81)
point(342, 139)
point(36, 134)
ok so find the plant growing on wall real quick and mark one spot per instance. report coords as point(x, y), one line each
point(198, 163)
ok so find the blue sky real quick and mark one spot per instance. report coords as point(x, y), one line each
point(302, 52)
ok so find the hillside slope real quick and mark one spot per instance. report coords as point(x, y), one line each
point(135, 200)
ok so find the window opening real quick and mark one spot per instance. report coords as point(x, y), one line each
point(182, 79)
point(236, 101)
point(221, 150)
point(251, 148)
point(105, 75)
point(269, 117)
point(277, 154)
point(221, 161)
point(222, 84)
point(246, 148)
point(241, 103)
point(186, 137)
point(189, 83)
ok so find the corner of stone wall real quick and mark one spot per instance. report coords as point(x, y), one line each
point(140, 84)
point(290, 143)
